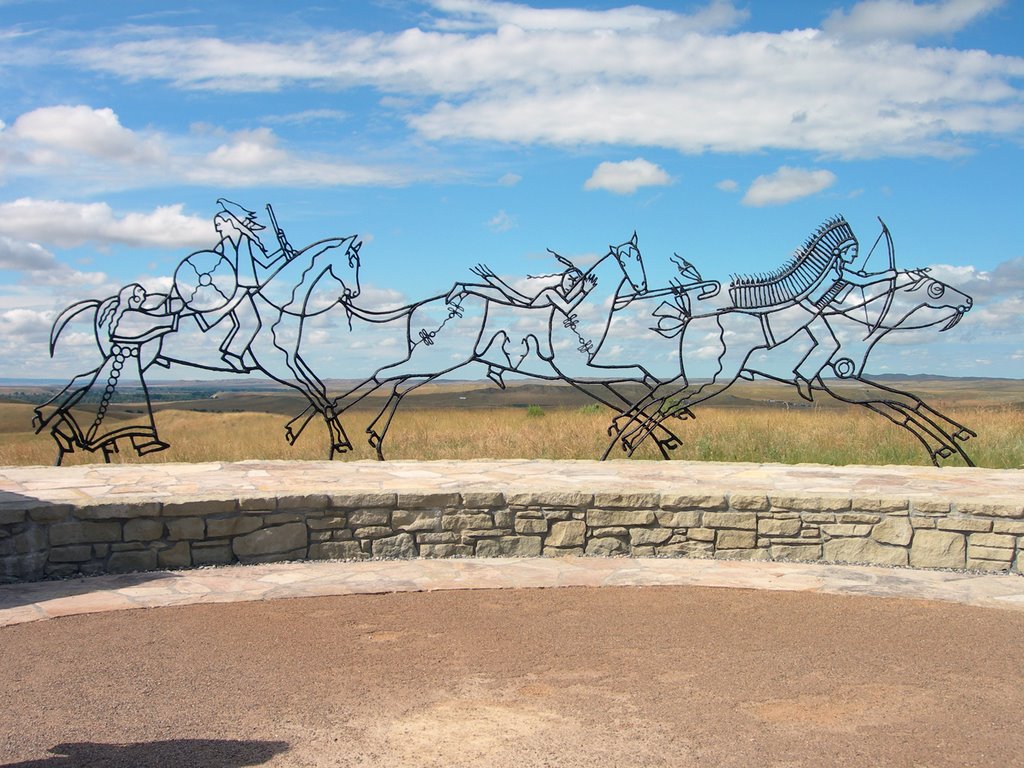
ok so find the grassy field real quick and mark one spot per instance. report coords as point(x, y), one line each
point(749, 429)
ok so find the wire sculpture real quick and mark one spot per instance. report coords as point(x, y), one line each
point(818, 317)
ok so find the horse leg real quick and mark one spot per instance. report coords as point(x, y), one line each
point(818, 356)
point(379, 427)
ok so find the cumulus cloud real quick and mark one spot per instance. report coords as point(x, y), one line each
point(786, 185)
point(92, 146)
point(67, 224)
point(501, 222)
point(627, 177)
point(905, 19)
point(633, 76)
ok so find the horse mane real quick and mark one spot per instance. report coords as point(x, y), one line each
point(799, 275)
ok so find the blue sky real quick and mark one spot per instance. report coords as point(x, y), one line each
point(453, 132)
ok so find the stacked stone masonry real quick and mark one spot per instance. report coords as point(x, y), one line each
point(47, 540)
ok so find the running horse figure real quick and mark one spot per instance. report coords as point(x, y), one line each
point(258, 323)
point(888, 300)
point(466, 327)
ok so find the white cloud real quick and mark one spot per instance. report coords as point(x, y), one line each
point(91, 146)
point(501, 222)
point(627, 177)
point(70, 224)
point(631, 76)
point(727, 185)
point(510, 179)
point(905, 19)
point(786, 185)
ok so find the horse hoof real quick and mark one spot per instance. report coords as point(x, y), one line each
point(944, 453)
point(964, 435)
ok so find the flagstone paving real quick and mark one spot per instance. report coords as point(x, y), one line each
point(20, 603)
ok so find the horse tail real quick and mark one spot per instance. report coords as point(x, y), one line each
point(66, 316)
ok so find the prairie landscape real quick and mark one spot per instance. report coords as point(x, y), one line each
point(753, 421)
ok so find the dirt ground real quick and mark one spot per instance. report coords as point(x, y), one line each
point(661, 676)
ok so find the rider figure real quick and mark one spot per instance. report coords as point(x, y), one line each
point(831, 293)
point(572, 288)
point(241, 245)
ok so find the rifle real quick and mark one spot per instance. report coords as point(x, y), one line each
point(282, 239)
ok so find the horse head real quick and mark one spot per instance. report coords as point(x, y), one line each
point(922, 301)
point(631, 263)
point(350, 281)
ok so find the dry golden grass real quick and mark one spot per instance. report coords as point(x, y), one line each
point(828, 436)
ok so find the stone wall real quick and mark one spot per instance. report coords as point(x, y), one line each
point(46, 539)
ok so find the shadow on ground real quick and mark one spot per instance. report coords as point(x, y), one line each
point(181, 753)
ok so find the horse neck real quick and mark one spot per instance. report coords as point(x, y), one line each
point(610, 278)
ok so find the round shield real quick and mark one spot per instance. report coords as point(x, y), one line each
point(205, 281)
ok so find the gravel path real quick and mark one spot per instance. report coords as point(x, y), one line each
point(617, 676)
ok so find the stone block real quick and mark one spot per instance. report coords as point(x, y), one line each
point(756, 502)
point(217, 555)
point(117, 511)
point(648, 536)
point(12, 515)
point(938, 549)
point(563, 552)
point(561, 499)
point(846, 529)
point(443, 537)
point(373, 532)
point(336, 550)
point(767, 526)
point(989, 566)
point(76, 553)
point(280, 518)
point(283, 538)
point(700, 534)
point(810, 503)
point(997, 540)
point(470, 536)
point(799, 552)
point(929, 507)
point(893, 530)
point(237, 525)
point(742, 554)
point(607, 547)
point(84, 533)
point(254, 506)
point(731, 539)
point(328, 523)
point(990, 510)
point(694, 501)
point(612, 530)
point(554, 514)
point(614, 517)
point(504, 518)
point(413, 500)
point(394, 547)
point(686, 549)
point(143, 529)
point(850, 550)
point(186, 528)
point(30, 540)
point(614, 500)
point(363, 500)
point(643, 551)
point(1008, 526)
point(746, 521)
point(276, 557)
point(358, 518)
point(416, 520)
point(887, 504)
point(509, 546)
point(445, 550)
point(177, 556)
point(304, 501)
point(569, 533)
point(678, 519)
point(461, 521)
point(920, 521)
point(857, 518)
point(197, 507)
point(138, 560)
point(530, 525)
point(998, 554)
point(483, 499)
point(49, 513)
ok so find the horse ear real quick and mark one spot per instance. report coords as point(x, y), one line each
point(633, 241)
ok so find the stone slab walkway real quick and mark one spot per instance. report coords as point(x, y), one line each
point(21, 603)
point(260, 479)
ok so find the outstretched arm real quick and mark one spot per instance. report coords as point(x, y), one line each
point(861, 279)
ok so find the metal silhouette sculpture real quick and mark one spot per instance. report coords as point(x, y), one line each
point(822, 312)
